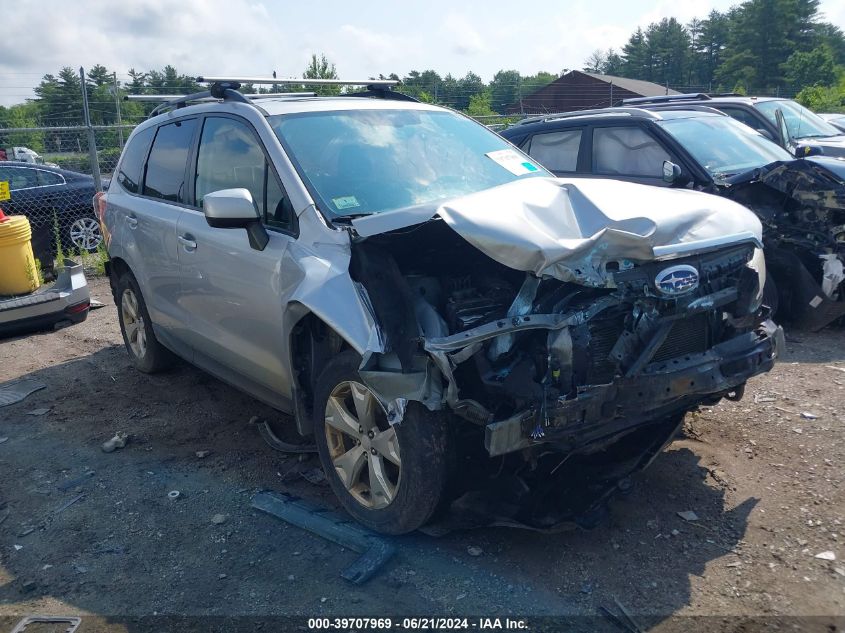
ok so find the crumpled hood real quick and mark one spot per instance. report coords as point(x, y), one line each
point(571, 228)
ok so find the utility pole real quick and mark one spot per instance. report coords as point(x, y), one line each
point(117, 109)
point(92, 142)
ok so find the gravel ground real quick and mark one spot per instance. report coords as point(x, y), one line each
point(764, 477)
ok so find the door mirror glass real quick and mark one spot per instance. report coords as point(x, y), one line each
point(671, 172)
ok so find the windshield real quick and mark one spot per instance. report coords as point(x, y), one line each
point(800, 122)
point(358, 162)
point(724, 146)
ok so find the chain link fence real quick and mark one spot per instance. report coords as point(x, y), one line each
point(52, 175)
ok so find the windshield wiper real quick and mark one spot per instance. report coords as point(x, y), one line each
point(348, 217)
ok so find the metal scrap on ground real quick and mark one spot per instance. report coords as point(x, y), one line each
point(17, 390)
point(375, 550)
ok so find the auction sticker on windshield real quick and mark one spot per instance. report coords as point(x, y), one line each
point(4, 190)
point(345, 202)
point(512, 161)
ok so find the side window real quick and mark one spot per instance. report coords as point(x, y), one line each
point(165, 176)
point(132, 162)
point(46, 178)
point(629, 151)
point(230, 156)
point(743, 116)
point(21, 178)
point(557, 151)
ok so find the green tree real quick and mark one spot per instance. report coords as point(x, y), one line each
point(810, 69)
point(505, 89)
point(479, 105)
point(320, 68)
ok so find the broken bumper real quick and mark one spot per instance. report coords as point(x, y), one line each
point(601, 414)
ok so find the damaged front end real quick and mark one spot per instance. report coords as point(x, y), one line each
point(801, 204)
point(566, 365)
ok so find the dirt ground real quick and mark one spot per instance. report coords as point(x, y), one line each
point(763, 475)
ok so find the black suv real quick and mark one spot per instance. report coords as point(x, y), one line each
point(802, 132)
point(801, 202)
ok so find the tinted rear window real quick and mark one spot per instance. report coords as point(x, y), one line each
point(129, 172)
point(168, 159)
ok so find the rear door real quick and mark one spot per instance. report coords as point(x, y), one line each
point(148, 219)
point(233, 293)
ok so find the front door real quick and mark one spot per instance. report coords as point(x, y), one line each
point(234, 294)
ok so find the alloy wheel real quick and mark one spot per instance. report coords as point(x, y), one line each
point(363, 447)
point(85, 233)
point(133, 323)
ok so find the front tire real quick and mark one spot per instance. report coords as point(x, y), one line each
point(390, 478)
point(147, 354)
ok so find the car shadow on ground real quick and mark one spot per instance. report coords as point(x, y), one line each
point(112, 543)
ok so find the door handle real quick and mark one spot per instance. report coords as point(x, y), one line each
point(187, 242)
point(132, 221)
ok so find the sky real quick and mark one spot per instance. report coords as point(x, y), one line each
point(363, 39)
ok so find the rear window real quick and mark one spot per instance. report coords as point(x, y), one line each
point(557, 151)
point(165, 177)
point(129, 171)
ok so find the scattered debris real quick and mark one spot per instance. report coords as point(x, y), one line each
point(675, 533)
point(40, 411)
point(474, 550)
point(173, 495)
point(828, 555)
point(375, 550)
point(72, 622)
point(73, 483)
point(836, 368)
point(734, 564)
point(809, 416)
point(3, 440)
point(118, 441)
point(314, 476)
point(688, 515)
point(18, 547)
point(797, 430)
point(839, 570)
point(95, 304)
point(17, 390)
point(758, 399)
point(221, 576)
point(28, 586)
point(202, 454)
point(219, 519)
point(67, 504)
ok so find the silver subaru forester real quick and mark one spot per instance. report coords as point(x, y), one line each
point(445, 317)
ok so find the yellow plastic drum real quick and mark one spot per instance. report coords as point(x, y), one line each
point(18, 273)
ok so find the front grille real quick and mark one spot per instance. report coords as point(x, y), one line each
point(687, 336)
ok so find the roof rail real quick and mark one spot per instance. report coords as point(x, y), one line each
point(684, 106)
point(693, 96)
point(260, 95)
point(226, 88)
point(616, 111)
point(203, 79)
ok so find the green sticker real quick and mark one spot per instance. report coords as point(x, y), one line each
point(346, 202)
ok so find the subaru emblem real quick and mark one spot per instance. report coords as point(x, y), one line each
point(677, 280)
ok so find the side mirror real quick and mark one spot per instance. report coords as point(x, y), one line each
point(234, 209)
point(671, 172)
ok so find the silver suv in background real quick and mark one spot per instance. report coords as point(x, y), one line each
point(440, 312)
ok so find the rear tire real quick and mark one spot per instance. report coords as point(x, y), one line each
point(145, 351)
point(389, 478)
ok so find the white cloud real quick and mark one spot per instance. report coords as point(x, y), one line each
point(459, 30)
